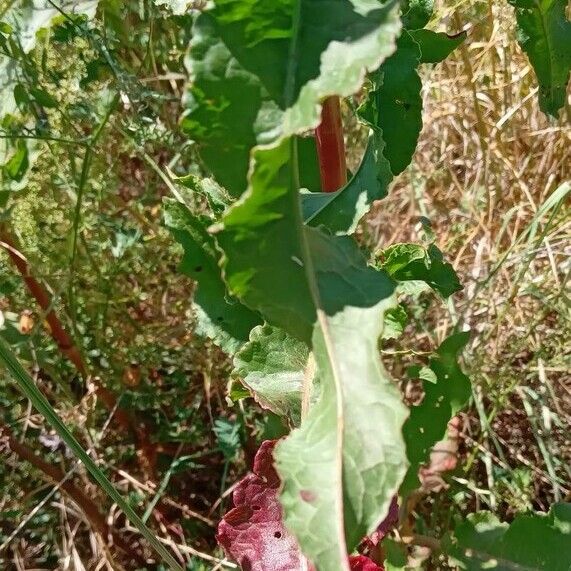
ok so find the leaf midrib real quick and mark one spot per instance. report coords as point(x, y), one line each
point(289, 94)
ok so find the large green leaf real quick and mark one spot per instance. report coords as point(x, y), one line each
point(260, 70)
point(269, 253)
point(341, 211)
point(399, 102)
point(394, 104)
point(222, 106)
point(340, 469)
point(302, 57)
point(444, 395)
point(535, 542)
point(319, 289)
point(223, 319)
point(272, 365)
point(545, 36)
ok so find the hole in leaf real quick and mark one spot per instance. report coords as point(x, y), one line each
point(277, 534)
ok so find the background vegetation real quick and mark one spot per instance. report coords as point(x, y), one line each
point(95, 147)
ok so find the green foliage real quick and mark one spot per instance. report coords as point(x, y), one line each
point(416, 13)
point(268, 249)
point(545, 36)
point(283, 283)
point(397, 102)
point(395, 322)
point(446, 391)
point(21, 26)
point(245, 88)
point(340, 212)
point(272, 365)
point(41, 404)
point(340, 470)
point(436, 46)
point(394, 105)
point(228, 437)
point(534, 542)
point(413, 262)
point(223, 319)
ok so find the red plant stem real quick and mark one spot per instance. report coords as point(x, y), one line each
point(146, 452)
point(331, 147)
point(57, 331)
point(38, 292)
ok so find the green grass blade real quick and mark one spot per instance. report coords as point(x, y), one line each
point(41, 404)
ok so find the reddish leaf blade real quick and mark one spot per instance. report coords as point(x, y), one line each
point(253, 533)
point(362, 563)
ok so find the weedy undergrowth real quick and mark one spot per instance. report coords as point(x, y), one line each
point(301, 306)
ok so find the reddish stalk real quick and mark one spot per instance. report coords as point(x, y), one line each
point(331, 146)
point(146, 451)
point(56, 329)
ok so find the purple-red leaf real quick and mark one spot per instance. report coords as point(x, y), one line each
point(362, 563)
point(253, 533)
point(385, 526)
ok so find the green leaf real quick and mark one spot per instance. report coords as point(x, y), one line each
point(216, 196)
point(544, 33)
point(396, 557)
point(341, 475)
point(406, 262)
point(43, 98)
point(27, 386)
point(5, 28)
point(309, 175)
point(220, 317)
point(301, 58)
point(21, 95)
point(395, 322)
point(395, 103)
point(436, 46)
point(222, 107)
point(446, 392)
point(536, 542)
point(272, 365)
point(319, 289)
point(339, 212)
point(273, 262)
point(416, 13)
point(18, 164)
point(228, 437)
point(259, 71)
